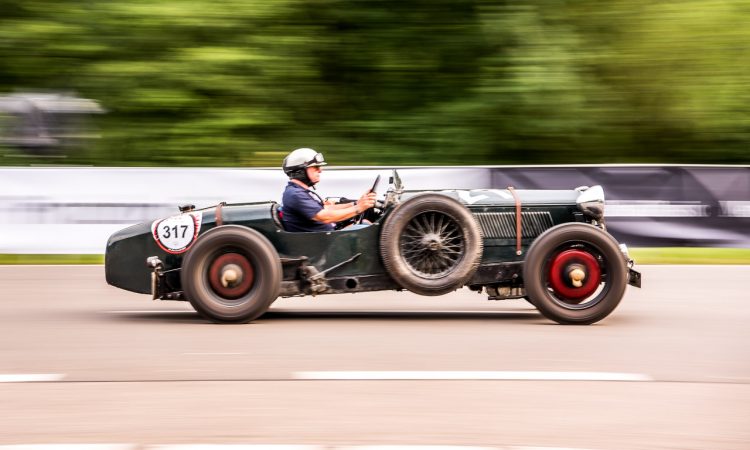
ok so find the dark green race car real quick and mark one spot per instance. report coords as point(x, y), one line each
point(231, 261)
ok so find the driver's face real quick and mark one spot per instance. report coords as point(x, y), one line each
point(313, 173)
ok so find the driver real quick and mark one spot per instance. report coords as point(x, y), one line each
point(302, 208)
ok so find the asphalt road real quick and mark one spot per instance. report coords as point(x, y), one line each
point(120, 368)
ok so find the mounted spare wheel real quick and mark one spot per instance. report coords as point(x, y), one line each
point(575, 273)
point(232, 274)
point(431, 244)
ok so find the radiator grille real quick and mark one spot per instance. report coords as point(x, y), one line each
point(503, 225)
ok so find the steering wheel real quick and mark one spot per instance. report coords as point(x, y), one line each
point(373, 189)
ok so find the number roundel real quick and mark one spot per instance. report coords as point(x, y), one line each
point(177, 233)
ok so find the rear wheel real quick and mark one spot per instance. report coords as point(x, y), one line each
point(232, 274)
point(431, 244)
point(575, 274)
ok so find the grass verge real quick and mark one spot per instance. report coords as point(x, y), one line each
point(51, 259)
point(662, 255)
point(690, 255)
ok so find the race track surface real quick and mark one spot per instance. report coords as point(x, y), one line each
point(82, 362)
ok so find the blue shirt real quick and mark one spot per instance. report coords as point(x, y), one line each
point(299, 206)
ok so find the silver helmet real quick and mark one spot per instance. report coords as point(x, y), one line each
point(301, 159)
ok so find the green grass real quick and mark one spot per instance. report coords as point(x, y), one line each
point(690, 255)
point(665, 255)
point(51, 259)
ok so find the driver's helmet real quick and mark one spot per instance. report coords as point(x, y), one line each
point(301, 159)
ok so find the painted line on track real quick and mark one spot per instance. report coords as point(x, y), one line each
point(447, 447)
point(153, 311)
point(69, 447)
point(214, 354)
point(236, 447)
point(386, 376)
point(417, 447)
point(265, 447)
point(30, 378)
point(471, 375)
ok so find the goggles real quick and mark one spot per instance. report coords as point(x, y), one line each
point(317, 160)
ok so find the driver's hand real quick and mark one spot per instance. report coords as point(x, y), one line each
point(366, 201)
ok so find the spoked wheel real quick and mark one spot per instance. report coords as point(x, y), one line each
point(232, 274)
point(575, 274)
point(431, 244)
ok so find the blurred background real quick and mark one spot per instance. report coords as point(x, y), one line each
point(212, 83)
point(187, 101)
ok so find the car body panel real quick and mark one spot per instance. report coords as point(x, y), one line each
point(494, 210)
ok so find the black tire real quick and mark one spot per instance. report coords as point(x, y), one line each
point(246, 249)
point(548, 268)
point(431, 244)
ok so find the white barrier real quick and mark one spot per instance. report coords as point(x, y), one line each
point(74, 210)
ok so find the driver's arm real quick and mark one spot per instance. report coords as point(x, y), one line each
point(335, 206)
point(337, 213)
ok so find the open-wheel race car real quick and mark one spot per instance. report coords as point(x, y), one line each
point(232, 261)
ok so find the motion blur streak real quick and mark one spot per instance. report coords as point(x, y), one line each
point(240, 82)
point(155, 378)
point(30, 377)
point(472, 375)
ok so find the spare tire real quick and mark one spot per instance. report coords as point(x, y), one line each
point(431, 244)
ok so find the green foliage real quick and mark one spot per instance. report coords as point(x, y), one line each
point(233, 82)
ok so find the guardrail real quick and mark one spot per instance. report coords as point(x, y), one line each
point(59, 210)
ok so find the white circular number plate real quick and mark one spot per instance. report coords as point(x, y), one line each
point(177, 233)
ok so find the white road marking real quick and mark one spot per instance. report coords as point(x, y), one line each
point(445, 447)
point(264, 447)
point(415, 447)
point(235, 447)
point(70, 447)
point(214, 354)
point(152, 311)
point(558, 360)
point(545, 448)
point(30, 378)
point(470, 375)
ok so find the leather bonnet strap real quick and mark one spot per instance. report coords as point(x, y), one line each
point(519, 223)
point(219, 218)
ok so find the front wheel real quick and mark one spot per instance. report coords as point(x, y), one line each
point(575, 274)
point(232, 274)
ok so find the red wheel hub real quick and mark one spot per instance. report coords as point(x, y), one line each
point(574, 275)
point(231, 275)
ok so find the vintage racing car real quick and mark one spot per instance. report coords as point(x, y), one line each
point(232, 261)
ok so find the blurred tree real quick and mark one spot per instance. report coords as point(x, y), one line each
point(235, 82)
